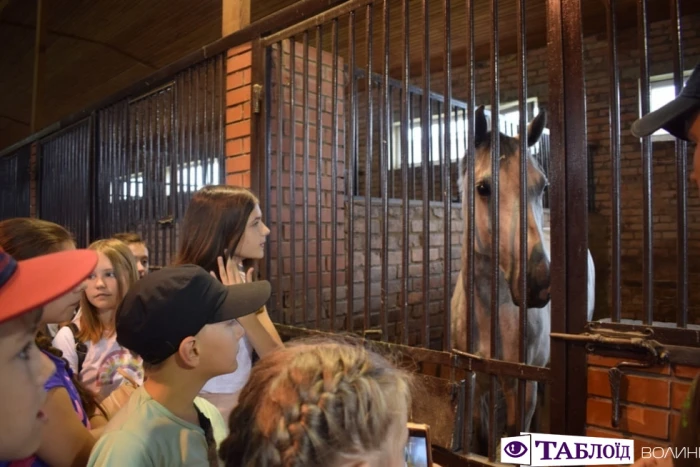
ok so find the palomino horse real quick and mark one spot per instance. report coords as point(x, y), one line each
point(509, 299)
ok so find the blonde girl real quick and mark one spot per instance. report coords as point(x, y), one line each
point(90, 346)
point(320, 403)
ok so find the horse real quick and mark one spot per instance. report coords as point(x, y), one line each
point(509, 299)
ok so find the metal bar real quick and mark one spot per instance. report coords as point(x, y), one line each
point(350, 164)
point(689, 337)
point(405, 148)
point(615, 160)
point(319, 170)
point(647, 169)
point(334, 174)
point(305, 183)
point(266, 75)
point(494, 204)
point(368, 169)
point(467, 255)
point(280, 168)
point(524, 160)
point(325, 17)
point(446, 182)
point(681, 177)
point(426, 130)
point(292, 177)
point(384, 136)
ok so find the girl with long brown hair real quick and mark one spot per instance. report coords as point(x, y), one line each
point(72, 411)
point(223, 232)
point(105, 365)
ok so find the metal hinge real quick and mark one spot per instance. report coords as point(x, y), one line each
point(257, 97)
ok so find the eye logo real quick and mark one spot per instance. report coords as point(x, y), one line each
point(515, 449)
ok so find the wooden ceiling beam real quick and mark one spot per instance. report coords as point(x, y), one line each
point(39, 63)
point(235, 15)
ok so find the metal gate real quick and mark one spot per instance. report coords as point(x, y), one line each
point(14, 184)
point(362, 140)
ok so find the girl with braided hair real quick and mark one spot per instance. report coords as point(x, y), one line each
point(320, 403)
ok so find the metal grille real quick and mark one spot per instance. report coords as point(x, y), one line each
point(14, 184)
point(155, 151)
point(64, 179)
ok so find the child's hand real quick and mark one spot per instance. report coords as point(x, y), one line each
point(229, 272)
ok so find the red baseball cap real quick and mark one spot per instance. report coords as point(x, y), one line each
point(32, 283)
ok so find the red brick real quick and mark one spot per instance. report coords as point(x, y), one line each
point(639, 442)
point(597, 360)
point(637, 389)
point(239, 49)
point(682, 371)
point(238, 129)
point(238, 96)
point(634, 419)
point(239, 179)
point(679, 391)
point(238, 164)
point(239, 62)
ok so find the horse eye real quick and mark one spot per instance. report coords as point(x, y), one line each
point(484, 189)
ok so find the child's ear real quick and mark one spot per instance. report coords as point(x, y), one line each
point(189, 352)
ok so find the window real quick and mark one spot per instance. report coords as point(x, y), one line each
point(458, 140)
point(189, 179)
point(661, 92)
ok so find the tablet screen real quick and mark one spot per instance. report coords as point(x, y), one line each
point(417, 452)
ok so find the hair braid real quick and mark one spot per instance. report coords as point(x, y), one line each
point(315, 404)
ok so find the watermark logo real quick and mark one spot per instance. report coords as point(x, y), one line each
point(672, 452)
point(538, 449)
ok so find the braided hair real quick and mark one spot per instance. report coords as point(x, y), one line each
point(317, 403)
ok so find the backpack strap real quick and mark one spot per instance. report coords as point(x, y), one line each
point(80, 347)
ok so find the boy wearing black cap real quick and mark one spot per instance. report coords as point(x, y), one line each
point(182, 322)
point(681, 118)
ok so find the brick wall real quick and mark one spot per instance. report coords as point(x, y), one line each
point(287, 216)
point(650, 402)
point(436, 305)
point(238, 115)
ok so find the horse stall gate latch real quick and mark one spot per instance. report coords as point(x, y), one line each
point(615, 376)
point(257, 97)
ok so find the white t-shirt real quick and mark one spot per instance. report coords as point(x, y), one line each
point(231, 383)
point(99, 372)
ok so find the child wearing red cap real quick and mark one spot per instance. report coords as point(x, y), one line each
point(25, 287)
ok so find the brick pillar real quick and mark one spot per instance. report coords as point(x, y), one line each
point(238, 115)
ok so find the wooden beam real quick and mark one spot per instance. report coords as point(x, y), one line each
point(39, 62)
point(235, 15)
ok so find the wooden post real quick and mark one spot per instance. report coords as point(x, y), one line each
point(235, 15)
point(39, 61)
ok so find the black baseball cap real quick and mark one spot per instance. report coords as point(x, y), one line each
point(674, 117)
point(169, 305)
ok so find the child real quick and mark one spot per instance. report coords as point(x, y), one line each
point(71, 410)
point(25, 287)
point(182, 322)
point(91, 347)
point(227, 220)
point(319, 404)
point(138, 248)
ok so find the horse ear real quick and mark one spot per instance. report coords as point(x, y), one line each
point(535, 128)
point(481, 127)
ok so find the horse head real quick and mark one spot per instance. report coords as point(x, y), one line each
point(538, 267)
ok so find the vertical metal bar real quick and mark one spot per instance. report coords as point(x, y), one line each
point(305, 182)
point(445, 183)
point(334, 173)
point(319, 171)
point(280, 168)
point(615, 161)
point(524, 160)
point(426, 130)
point(368, 168)
point(405, 148)
point(647, 169)
point(681, 177)
point(266, 171)
point(384, 135)
point(350, 165)
point(292, 177)
point(494, 204)
point(468, 198)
